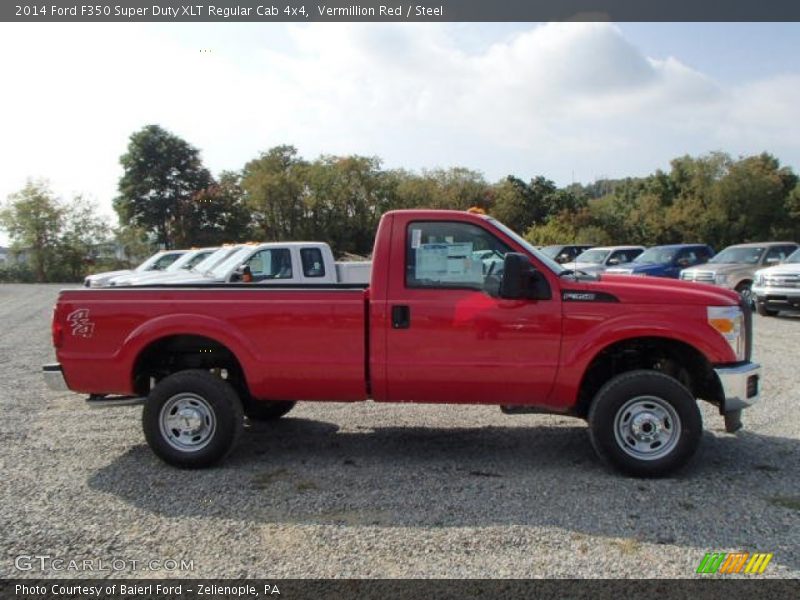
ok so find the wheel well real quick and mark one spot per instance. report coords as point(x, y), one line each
point(175, 353)
point(742, 282)
point(671, 357)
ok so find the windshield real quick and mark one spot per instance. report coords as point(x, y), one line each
point(184, 262)
point(794, 257)
point(551, 251)
point(656, 256)
point(214, 258)
point(196, 259)
point(743, 256)
point(554, 266)
point(224, 267)
point(594, 256)
point(159, 261)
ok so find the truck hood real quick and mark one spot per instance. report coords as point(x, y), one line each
point(787, 269)
point(107, 275)
point(585, 267)
point(726, 268)
point(651, 290)
point(641, 269)
point(183, 278)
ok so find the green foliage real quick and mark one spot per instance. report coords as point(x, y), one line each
point(54, 237)
point(33, 219)
point(162, 178)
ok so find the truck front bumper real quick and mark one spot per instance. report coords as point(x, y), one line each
point(54, 377)
point(741, 385)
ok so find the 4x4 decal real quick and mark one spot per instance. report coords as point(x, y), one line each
point(80, 323)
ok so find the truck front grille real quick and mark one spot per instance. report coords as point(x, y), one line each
point(702, 276)
point(782, 281)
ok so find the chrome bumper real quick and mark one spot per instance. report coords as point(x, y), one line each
point(741, 385)
point(54, 377)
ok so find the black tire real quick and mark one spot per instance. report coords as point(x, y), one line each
point(192, 419)
point(645, 423)
point(764, 311)
point(265, 410)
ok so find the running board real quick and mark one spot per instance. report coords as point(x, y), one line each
point(102, 401)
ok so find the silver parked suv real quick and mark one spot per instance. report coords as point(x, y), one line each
point(597, 260)
point(735, 267)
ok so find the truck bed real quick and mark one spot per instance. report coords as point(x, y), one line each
point(296, 342)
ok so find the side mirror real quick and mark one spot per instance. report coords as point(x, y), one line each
point(684, 262)
point(519, 280)
point(613, 261)
point(773, 260)
point(242, 273)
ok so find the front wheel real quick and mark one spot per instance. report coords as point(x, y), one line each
point(645, 423)
point(764, 311)
point(192, 419)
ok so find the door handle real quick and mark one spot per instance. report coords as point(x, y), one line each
point(401, 316)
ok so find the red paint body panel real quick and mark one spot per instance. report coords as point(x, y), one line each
point(292, 345)
point(462, 345)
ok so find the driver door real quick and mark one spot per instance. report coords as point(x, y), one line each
point(447, 340)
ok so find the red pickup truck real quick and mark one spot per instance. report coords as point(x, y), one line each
point(459, 309)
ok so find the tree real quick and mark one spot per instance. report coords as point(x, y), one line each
point(162, 176)
point(223, 215)
point(81, 229)
point(33, 219)
point(58, 236)
point(274, 187)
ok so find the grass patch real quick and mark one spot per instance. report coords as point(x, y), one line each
point(790, 502)
point(264, 480)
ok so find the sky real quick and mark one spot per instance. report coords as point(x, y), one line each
point(571, 101)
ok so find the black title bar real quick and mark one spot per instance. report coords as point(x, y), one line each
point(264, 11)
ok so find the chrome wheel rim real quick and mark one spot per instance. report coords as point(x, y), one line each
point(187, 422)
point(647, 428)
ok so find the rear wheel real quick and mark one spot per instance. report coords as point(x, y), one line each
point(645, 423)
point(264, 410)
point(192, 419)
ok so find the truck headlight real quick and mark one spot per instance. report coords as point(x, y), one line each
point(729, 322)
point(721, 279)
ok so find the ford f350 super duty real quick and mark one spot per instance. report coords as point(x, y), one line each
point(459, 310)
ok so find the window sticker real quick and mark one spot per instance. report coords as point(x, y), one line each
point(416, 238)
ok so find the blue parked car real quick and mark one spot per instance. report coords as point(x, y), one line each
point(666, 261)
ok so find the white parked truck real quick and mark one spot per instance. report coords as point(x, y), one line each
point(156, 263)
point(183, 265)
point(278, 263)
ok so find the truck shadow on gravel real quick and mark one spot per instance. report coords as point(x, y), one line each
point(740, 492)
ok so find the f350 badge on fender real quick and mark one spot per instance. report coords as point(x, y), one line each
point(80, 323)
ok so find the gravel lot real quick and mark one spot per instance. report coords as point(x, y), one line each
point(384, 490)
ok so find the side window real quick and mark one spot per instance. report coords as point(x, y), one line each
point(618, 257)
point(272, 263)
point(165, 261)
point(312, 262)
point(687, 257)
point(779, 253)
point(442, 254)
